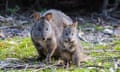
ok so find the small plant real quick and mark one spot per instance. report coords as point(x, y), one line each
point(42, 10)
point(13, 10)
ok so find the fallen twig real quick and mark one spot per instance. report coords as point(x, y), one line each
point(96, 66)
point(5, 27)
point(25, 66)
point(101, 51)
point(49, 66)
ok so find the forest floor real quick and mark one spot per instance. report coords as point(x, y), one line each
point(100, 40)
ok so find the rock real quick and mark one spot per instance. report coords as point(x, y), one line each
point(108, 27)
point(21, 22)
point(11, 32)
point(9, 19)
point(3, 64)
point(3, 19)
point(81, 36)
point(118, 63)
point(108, 31)
point(81, 20)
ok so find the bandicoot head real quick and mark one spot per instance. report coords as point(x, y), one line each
point(44, 26)
point(69, 32)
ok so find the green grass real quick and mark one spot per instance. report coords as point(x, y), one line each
point(23, 48)
point(17, 48)
point(58, 70)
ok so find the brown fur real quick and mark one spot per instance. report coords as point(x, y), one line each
point(45, 42)
point(71, 49)
point(36, 16)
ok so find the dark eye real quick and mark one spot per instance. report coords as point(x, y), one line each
point(66, 33)
point(39, 29)
point(47, 29)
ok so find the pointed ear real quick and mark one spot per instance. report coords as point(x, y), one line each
point(48, 16)
point(75, 24)
point(36, 16)
point(64, 24)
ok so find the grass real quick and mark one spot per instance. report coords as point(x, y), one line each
point(17, 48)
point(59, 70)
point(22, 48)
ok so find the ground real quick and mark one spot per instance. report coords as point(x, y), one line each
point(100, 40)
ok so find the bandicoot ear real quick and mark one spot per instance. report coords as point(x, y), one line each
point(48, 16)
point(75, 24)
point(36, 16)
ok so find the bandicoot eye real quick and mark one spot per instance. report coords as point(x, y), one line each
point(47, 29)
point(39, 29)
point(66, 34)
